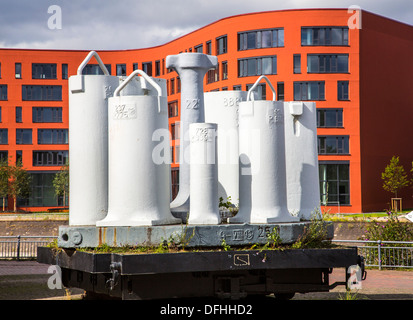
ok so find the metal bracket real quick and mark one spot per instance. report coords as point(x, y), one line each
point(115, 268)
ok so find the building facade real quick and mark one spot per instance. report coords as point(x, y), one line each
point(356, 66)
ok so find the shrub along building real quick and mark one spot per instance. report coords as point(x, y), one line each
point(357, 68)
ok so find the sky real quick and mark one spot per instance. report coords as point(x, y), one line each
point(132, 24)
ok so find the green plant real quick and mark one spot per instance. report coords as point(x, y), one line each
point(314, 234)
point(394, 176)
point(228, 205)
point(61, 183)
point(19, 183)
point(349, 295)
point(391, 230)
point(224, 245)
point(4, 180)
point(274, 239)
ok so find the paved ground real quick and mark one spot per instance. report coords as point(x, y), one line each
point(27, 280)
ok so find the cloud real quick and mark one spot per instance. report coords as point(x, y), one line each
point(130, 24)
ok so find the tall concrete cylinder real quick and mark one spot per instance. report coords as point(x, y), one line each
point(204, 207)
point(222, 108)
point(139, 175)
point(191, 68)
point(303, 192)
point(88, 143)
point(263, 196)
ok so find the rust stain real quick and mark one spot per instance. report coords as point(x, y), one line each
point(114, 237)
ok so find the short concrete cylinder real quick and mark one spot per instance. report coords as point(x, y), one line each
point(204, 207)
point(222, 108)
point(303, 192)
point(88, 148)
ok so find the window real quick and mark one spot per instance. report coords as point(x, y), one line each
point(268, 38)
point(327, 63)
point(4, 136)
point(173, 109)
point(311, 90)
point(261, 91)
point(65, 72)
point(329, 118)
point(44, 71)
point(50, 158)
point(208, 47)
point(95, 69)
point(221, 45)
point(175, 181)
point(3, 91)
point(213, 75)
point(199, 48)
point(224, 70)
point(52, 136)
point(19, 156)
point(23, 136)
point(0, 70)
point(172, 84)
point(135, 66)
point(280, 91)
point(147, 68)
point(121, 69)
point(175, 127)
point(334, 182)
point(257, 66)
point(237, 87)
point(324, 36)
point(157, 68)
point(18, 70)
point(297, 63)
point(46, 114)
point(4, 155)
point(0, 114)
point(342, 90)
point(19, 116)
point(41, 93)
point(333, 144)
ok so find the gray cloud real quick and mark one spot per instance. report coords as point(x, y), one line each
point(127, 24)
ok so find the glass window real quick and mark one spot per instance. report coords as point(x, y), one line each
point(333, 144)
point(224, 70)
point(257, 66)
point(41, 93)
point(327, 63)
point(3, 91)
point(18, 70)
point(135, 66)
point(199, 48)
point(261, 91)
point(342, 90)
point(121, 69)
point(46, 114)
point(65, 72)
point(173, 109)
point(44, 71)
point(221, 45)
point(4, 136)
point(19, 116)
point(311, 90)
point(330, 118)
point(50, 158)
point(297, 63)
point(147, 68)
point(280, 91)
point(23, 136)
point(324, 36)
point(266, 38)
point(208, 47)
point(157, 68)
point(334, 183)
point(95, 69)
point(52, 136)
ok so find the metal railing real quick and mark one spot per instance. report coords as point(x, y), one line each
point(22, 247)
point(384, 254)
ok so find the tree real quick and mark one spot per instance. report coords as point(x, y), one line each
point(394, 176)
point(19, 183)
point(4, 180)
point(61, 183)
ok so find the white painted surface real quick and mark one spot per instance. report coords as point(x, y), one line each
point(303, 190)
point(204, 207)
point(191, 68)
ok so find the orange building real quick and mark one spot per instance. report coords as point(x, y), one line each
point(356, 67)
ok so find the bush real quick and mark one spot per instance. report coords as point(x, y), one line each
point(391, 230)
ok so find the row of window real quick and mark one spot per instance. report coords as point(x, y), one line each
point(334, 179)
point(44, 136)
point(39, 114)
point(42, 158)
